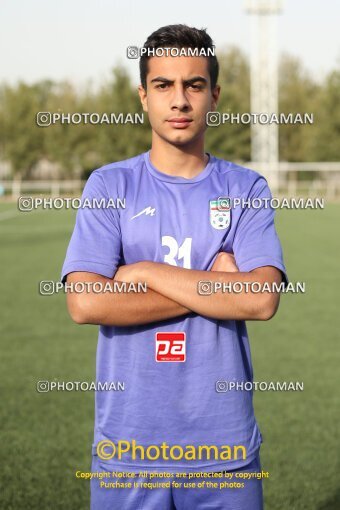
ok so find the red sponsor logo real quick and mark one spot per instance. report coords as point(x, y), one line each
point(170, 346)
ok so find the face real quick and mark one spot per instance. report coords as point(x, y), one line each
point(177, 98)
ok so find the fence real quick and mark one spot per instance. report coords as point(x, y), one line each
point(290, 180)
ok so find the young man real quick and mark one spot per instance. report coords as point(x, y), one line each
point(172, 344)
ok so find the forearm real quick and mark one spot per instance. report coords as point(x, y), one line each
point(182, 286)
point(119, 309)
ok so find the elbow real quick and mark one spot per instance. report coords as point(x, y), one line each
point(78, 317)
point(78, 310)
point(269, 306)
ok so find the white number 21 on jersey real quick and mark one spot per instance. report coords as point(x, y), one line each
point(176, 252)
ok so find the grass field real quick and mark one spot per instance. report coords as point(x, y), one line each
point(46, 437)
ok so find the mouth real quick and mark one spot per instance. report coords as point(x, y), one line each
point(180, 122)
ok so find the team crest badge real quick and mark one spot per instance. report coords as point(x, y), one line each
point(220, 213)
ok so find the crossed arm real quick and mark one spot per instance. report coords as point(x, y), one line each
point(173, 292)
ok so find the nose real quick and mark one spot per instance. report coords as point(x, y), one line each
point(179, 99)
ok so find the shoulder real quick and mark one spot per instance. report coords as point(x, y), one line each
point(120, 168)
point(240, 178)
point(236, 171)
point(113, 177)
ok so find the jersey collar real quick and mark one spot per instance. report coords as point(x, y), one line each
point(177, 179)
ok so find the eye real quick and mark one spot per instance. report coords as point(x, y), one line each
point(162, 86)
point(195, 87)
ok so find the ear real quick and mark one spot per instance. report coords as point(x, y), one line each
point(215, 97)
point(143, 97)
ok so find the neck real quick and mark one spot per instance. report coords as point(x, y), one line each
point(181, 161)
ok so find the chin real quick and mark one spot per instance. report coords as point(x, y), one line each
point(180, 139)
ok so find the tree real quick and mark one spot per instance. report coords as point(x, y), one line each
point(326, 146)
point(22, 142)
point(298, 93)
point(232, 141)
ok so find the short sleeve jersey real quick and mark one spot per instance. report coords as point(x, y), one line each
point(176, 221)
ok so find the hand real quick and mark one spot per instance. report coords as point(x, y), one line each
point(225, 262)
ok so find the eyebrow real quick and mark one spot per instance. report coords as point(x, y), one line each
point(186, 82)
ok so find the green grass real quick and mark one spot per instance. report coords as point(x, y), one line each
point(46, 437)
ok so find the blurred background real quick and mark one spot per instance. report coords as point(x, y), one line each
point(71, 57)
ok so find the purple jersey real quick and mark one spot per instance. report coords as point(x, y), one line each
point(177, 221)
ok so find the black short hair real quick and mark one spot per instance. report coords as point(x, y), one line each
point(180, 36)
